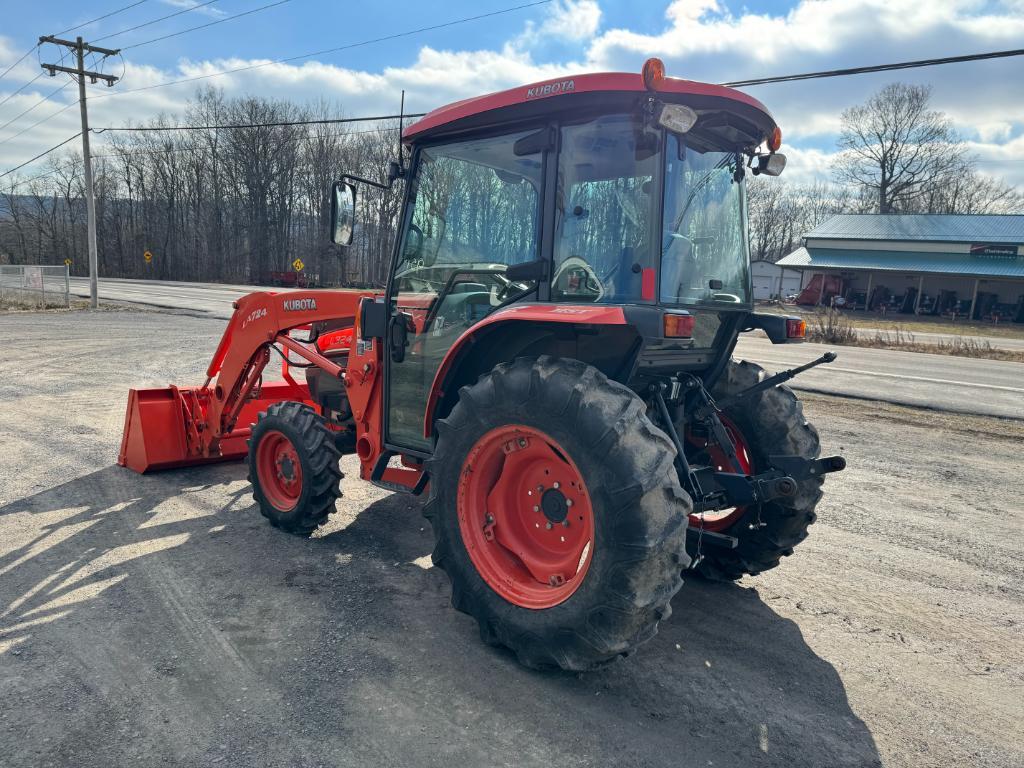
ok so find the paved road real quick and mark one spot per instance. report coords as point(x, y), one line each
point(954, 384)
point(212, 298)
point(958, 384)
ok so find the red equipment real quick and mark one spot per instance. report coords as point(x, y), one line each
point(820, 290)
point(181, 426)
point(551, 358)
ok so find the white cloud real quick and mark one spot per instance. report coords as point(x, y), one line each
point(208, 10)
point(570, 20)
point(703, 40)
point(699, 39)
point(691, 10)
point(806, 166)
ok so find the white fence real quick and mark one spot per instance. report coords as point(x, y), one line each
point(36, 284)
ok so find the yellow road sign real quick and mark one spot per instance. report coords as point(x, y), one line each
point(298, 265)
point(147, 256)
point(67, 262)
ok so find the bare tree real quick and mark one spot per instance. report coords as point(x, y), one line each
point(781, 214)
point(898, 148)
point(970, 192)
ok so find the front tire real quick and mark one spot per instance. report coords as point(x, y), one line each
point(293, 467)
point(562, 585)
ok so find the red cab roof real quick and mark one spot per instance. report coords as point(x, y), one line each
point(550, 96)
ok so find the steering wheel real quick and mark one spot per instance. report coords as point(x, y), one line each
point(592, 281)
point(412, 250)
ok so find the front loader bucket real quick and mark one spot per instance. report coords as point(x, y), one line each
point(158, 425)
point(155, 433)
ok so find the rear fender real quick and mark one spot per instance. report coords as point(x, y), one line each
point(520, 327)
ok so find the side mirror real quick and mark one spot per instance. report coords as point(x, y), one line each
point(343, 212)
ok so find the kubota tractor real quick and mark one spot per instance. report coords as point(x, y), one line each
point(550, 362)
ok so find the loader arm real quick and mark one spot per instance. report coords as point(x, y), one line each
point(181, 426)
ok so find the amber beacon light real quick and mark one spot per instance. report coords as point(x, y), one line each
point(653, 73)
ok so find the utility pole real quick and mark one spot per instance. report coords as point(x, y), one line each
point(81, 48)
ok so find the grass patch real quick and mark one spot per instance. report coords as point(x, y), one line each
point(913, 323)
point(24, 304)
point(832, 327)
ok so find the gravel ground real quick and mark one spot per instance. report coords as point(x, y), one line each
point(158, 621)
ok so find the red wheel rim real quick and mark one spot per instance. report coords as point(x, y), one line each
point(525, 516)
point(279, 470)
point(723, 518)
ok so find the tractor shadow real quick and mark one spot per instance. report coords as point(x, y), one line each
point(108, 578)
point(727, 680)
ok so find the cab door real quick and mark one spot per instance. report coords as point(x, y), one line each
point(474, 209)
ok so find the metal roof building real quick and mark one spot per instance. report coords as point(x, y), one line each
point(969, 265)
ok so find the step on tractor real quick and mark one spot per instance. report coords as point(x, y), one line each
point(550, 363)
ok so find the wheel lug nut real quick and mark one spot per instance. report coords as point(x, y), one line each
point(549, 526)
point(556, 486)
point(540, 489)
point(565, 523)
point(568, 502)
point(536, 509)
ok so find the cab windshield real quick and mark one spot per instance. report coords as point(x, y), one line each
point(704, 257)
point(607, 244)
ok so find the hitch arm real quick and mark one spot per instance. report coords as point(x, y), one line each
point(773, 381)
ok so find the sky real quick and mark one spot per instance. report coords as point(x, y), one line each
point(708, 40)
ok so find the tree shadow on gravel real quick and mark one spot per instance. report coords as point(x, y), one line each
point(78, 539)
point(349, 635)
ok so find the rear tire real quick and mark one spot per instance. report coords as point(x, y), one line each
point(293, 467)
point(771, 423)
point(600, 429)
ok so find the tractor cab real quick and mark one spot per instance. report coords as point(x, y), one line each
point(588, 193)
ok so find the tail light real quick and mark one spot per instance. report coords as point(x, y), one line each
point(795, 328)
point(679, 326)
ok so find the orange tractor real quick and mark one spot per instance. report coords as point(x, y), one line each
point(551, 362)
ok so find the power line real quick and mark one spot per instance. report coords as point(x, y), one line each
point(23, 131)
point(349, 46)
point(63, 31)
point(325, 121)
point(30, 82)
point(37, 104)
point(27, 54)
point(204, 26)
point(30, 179)
point(26, 85)
point(165, 150)
point(758, 81)
point(156, 21)
point(252, 125)
point(878, 68)
point(41, 154)
point(298, 137)
point(100, 18)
